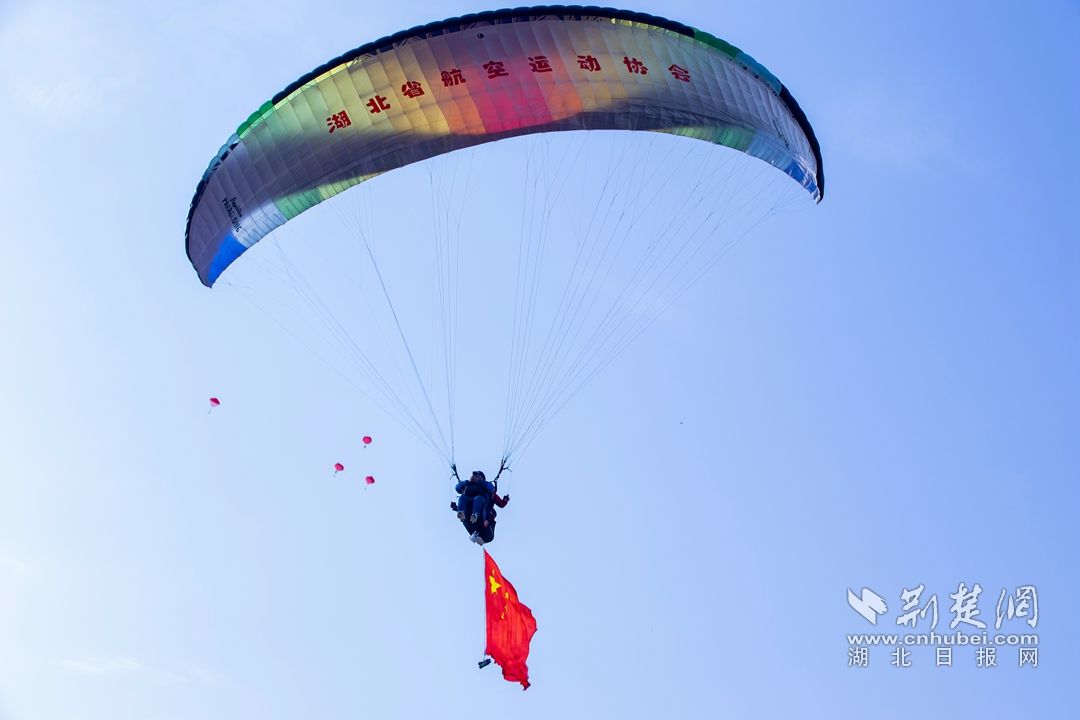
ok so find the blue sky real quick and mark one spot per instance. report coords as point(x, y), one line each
point(879, 391)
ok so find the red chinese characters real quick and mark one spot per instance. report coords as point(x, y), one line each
point(588, 63)
point(377, 104)
point(635, 66)
point(338, 121)
point(679, 73)
point(540, 64)
point(452, 77)
point(412, 89)
point(496, 68)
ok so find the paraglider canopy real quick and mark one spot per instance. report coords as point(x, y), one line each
point(481, 78)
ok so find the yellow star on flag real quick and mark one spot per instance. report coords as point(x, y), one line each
point(494, 585)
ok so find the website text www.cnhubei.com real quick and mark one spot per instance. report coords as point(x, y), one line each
point(945, 639)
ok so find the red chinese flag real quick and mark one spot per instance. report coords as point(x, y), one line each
point(510, 625)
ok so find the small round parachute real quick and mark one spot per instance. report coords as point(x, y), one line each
point(338, 467)
point(366, 440)
point(369, 480)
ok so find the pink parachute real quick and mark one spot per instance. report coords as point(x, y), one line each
point(338, 467)
point(369, 480)
point(366, 439)
point(214, 402)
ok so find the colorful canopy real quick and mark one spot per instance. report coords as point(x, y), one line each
point(479, 78)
